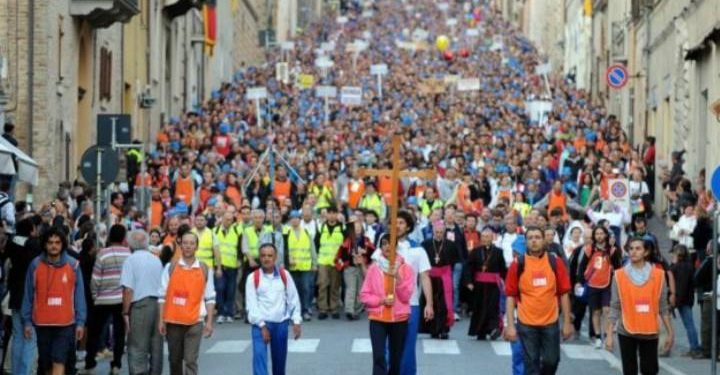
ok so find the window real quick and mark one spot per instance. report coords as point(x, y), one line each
point(105, 74)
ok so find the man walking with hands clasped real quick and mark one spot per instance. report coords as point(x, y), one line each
point(272, 302)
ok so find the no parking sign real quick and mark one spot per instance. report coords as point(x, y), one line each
point(616, 76)
point(619, 193)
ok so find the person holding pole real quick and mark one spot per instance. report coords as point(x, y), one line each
point(638, 298)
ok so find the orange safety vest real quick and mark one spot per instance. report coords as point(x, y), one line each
point(184, 189)
point(640, 305)
point(54, 299)
point(281, 189)
point(355, 193)
point(538, 303)
point(598, 271)
point(156, 210)
point(185, 292)
point(385, 187)
point(557, 201)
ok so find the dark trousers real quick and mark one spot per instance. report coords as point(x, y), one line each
point(305, 283)
point(380, 335)
point(579, 310)
point(226, 287)
point(647, 350)
point(541, 348)
point(96, 323)
point(184, 348)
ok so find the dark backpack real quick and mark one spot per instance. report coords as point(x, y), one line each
point(552, 258)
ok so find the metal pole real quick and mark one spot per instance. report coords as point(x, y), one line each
point(713, 339)
point(327, 111)
point(98, 188)
point(257, 112)
point(142, 182)
point(379, 86)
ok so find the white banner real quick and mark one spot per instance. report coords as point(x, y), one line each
point(379, 69)
point(326, 91)
point(282, 72)
point(256, 93)
point(351, 95)
point(468, 84)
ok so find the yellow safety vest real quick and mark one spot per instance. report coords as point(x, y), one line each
point(372, 202)
point(299, 251)
point(426, 209)
point(228, 242)
point(323, 194)
point(329, 244)
point(206, 243)
point(253, 241)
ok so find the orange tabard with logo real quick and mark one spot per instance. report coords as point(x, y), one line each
point(640, 305)
point(185, 292)
point(54, 298)
point(538, 305)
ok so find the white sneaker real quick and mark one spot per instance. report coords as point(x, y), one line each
point(457, 317)
point(220, 319)
point(598, 343)
point(229, 319)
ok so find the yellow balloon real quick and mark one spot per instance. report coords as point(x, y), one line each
point(442, 43)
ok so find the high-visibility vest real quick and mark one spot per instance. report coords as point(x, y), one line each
point(54, 294)
point(281, 189)
point(329, 244)
point(385, 187)
point(323, 195)
point(356, 189)
point(557, 201)
point(156, 210)
point(426, 209)
point(374, 203)
point(184, 296)
point(538, 305)
point(253, 241)
point(228, 241)
point(184, 189)
point(640, 305)
point(299, 251)
point(206, 243)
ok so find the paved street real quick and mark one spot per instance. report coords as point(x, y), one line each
point(342, 347)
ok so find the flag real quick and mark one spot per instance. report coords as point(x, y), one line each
point(210, 24)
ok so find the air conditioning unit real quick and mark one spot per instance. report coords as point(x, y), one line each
point(146, 99)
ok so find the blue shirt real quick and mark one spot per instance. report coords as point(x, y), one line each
point(142, 272)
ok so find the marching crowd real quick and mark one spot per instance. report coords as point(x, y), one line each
point(517, 233)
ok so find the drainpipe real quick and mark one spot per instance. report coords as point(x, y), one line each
point(648, 10)
point(31, 89)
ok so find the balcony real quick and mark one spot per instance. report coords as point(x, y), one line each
point(103, 13)
point(176, 8)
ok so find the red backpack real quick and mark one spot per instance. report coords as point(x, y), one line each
point(256, 277)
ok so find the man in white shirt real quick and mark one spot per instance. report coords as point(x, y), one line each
point(140, 278)
point(505, 240)
point(272, 302)
point(187, 299)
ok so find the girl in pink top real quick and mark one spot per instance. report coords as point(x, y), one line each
point(386, 294)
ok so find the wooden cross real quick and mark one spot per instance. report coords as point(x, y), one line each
point(395, 174)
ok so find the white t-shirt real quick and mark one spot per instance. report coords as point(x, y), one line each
point(417, 258)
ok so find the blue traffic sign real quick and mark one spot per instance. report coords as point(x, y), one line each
point(715, 183)
point(616, 76)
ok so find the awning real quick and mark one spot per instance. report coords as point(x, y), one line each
point(27, 168)
point(696, 52)
point(6, 164)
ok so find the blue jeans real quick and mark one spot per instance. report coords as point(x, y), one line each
point(408, 364)
point(305, 283)
point(457, 275)
point(23, 350)
point(278, 348)
point(541, 348)
point(518, 367)
point(686, 315)
point(225, 289)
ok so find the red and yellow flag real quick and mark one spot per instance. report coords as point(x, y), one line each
point(210, 24)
